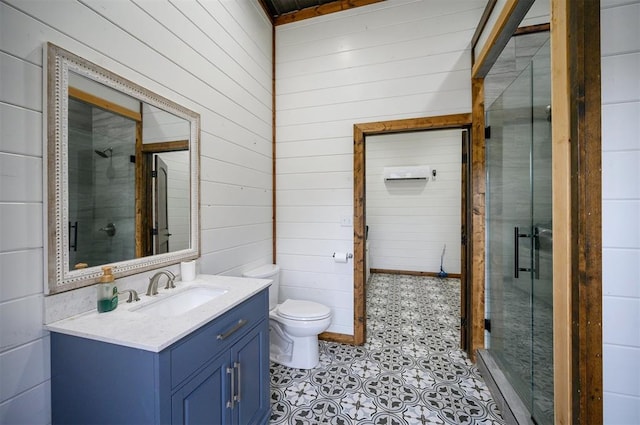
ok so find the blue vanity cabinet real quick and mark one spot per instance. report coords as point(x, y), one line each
point(218, 374)
point(230, 390)
point(204, 398)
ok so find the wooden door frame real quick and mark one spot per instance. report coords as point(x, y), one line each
point(360, 132)
point(577, 203)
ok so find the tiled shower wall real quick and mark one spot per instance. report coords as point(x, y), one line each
point(104, 191)
point(620, 46)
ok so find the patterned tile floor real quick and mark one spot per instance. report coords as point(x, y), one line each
point(410, 371)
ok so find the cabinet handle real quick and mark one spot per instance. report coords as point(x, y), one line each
point(230, 332)
point(236, 365)
point(231, 402)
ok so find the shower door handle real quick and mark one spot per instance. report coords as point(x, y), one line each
point(536, 253)
point(516, 252)
point(73, 245)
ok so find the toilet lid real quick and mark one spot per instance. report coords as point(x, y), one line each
point(303, 310)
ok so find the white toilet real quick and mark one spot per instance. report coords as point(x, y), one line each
point(294, 325)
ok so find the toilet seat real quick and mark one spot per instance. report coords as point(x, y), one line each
point(303, 310)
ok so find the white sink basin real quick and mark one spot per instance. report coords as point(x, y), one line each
point(180, 302)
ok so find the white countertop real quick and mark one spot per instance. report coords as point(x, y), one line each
point(146, 331)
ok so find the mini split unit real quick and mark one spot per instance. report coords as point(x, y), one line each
point(412, 172)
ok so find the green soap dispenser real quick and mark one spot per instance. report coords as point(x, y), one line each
point(107, 291)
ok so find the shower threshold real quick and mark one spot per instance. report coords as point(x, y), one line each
point(512, 408)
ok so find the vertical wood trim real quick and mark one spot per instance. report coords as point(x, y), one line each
point(561, 198)
point(359, 211)
point(477, 231)
point(577, 219)
point(586, 198)
point(273, 145)
point(590, 195)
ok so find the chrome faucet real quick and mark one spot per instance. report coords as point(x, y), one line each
point(133, 295)
point(152, 289)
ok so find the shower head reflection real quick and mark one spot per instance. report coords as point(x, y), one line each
point(105, 153)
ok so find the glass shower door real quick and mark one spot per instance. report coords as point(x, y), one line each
point(542, 278)
point(519, 255)
point(508, 218)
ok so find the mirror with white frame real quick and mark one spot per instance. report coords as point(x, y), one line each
point(122, 171)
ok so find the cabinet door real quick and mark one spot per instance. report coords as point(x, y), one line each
point(251, 361)
point(203, 399)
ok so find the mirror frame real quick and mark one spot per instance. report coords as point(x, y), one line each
point(59, 276)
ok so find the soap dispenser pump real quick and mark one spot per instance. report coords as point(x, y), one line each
point(107, 291)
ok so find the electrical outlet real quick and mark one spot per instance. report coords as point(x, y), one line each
point(346, 221)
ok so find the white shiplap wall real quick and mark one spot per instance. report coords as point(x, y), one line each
point(390, 60)
point(620, 44)
point(213, 57)
point(410, 221)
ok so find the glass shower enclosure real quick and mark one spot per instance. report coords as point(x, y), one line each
point(519, 235)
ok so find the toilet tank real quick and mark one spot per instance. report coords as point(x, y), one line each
point(268, 271)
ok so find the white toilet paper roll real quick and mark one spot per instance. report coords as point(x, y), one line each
point(188, 270)
point(340, 257)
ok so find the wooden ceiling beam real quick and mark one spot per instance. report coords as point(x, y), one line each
point(323, 9)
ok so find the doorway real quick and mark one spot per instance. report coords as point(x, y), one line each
point(361, 131)
point(164, 196)
point(413, 202)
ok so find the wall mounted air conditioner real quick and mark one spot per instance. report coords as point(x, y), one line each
point(410, 172)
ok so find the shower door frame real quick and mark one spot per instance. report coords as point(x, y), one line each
point(577, 197)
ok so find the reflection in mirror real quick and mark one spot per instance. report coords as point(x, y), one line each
point(101, 185)
point(123, 180)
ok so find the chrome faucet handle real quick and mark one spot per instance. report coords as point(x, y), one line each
point(152, 289)
point(133, 295)
point(170, 283)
